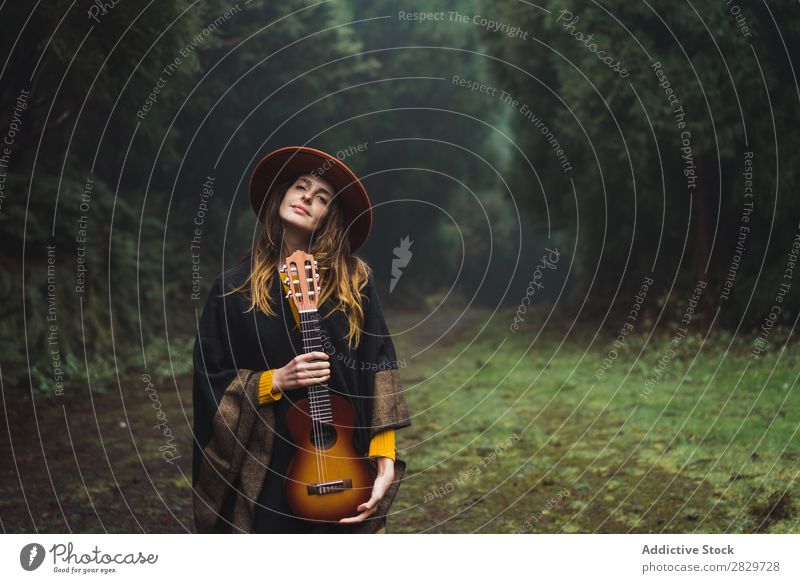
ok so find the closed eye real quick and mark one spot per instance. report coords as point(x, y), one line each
point(322, 197)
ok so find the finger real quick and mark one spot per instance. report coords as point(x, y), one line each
point(313, 376)
point(367, 507)
point(315, 366)
point(317, 369)
point(372, 502)
point(315, 380)
point(360, 517)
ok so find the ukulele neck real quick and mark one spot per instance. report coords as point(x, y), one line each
point(319, 394)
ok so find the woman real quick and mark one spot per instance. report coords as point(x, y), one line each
point(250, 366)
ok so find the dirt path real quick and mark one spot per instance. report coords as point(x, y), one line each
point(86, 463)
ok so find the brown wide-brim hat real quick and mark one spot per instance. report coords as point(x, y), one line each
point(285, 163)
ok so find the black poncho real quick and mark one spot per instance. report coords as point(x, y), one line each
point(234, 435)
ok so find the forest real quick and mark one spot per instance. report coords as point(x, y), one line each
point(602, 189)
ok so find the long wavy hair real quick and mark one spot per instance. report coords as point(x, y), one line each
point(341, 273)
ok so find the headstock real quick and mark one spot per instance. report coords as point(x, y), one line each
point(303, 280)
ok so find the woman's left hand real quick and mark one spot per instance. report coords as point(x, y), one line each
point(382, 483)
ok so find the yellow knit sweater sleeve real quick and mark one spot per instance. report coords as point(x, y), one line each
point(265, 394)
point(382, 445)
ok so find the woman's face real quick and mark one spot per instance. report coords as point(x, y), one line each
point(305, 203)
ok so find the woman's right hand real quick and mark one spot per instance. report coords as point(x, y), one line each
point(304, 370)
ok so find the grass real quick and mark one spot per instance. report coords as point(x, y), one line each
point(712, 447)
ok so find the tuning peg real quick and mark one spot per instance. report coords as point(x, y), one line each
point(316, 276)
point(286, 281)
point(288, 294)
point(283, 268)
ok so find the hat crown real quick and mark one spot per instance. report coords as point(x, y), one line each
point(292, 161)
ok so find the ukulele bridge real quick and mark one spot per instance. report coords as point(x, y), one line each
point(330, 487)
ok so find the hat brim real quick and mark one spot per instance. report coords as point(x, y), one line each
point(284, 163)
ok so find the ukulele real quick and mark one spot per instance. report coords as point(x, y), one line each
point(327, 479)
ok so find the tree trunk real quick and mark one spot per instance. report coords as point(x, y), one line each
point(702, 228)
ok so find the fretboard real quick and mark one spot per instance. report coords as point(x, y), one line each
point(319, 394)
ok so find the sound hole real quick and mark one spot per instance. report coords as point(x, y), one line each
point(323, 435)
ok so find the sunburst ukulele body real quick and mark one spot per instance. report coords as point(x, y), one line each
point(327, 478)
